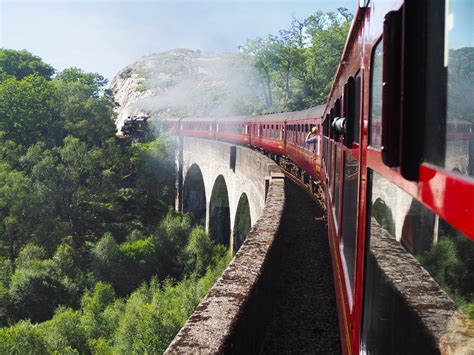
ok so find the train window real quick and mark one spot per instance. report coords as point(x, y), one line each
point(330, 130)
point(345, 100)
point(337, 175)
point(458, 152)
point(349, 109)
point(357, 107)
point(375, 132)
point(337, 108)
point(399, 225)
point(331, 163)
point(325, 140)
point(349, 214)
point(325, 150)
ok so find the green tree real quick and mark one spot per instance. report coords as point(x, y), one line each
point(64, 333)
point(16, 205)
point(28, 110)
point(22, 338)
point(200, 250)
point(93, 81)
point(86, 110)
point(172, 237)
point(29, 254)
point(328, 34)
point(297, 66)
point(109, 263)
point(100, 311)
point(22, 63)
point(141, 259)
point(36, 292)
point(262, 50)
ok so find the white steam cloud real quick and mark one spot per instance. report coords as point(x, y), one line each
point(186, 83)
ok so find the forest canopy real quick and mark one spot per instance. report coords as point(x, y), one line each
point(296, 68)
point(92, 257)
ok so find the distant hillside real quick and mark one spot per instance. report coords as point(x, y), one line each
point(183, 82)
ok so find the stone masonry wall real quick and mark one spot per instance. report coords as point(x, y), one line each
point(233, 315)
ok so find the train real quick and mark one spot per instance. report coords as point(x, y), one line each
point(394, 155)
point(134, 126)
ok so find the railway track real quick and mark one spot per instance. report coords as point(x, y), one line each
point(315, 192)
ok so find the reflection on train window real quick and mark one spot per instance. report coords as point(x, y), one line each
point(459, 58)
point(375, 134)
point(404, 241)
point(349, 214)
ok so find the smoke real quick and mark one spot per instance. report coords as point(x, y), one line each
point(185, 83)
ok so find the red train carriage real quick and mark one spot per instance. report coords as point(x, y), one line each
point(298, 125)
point(268, 132)
point(233, 130)
point(398, 166)
point(200, 128)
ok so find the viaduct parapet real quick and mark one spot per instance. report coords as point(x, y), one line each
point(233, 315)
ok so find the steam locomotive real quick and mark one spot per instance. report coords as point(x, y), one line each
point(395, 156)
point(134, 126)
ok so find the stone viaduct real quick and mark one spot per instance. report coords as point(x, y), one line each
point(239, 195)
point(224, 186)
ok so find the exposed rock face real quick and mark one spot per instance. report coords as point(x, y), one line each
point(183, 82)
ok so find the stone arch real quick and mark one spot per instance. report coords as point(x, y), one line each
point(242, 222)
point(383, 215)
point(418, 228)
point(194, 195)
point(219, 212)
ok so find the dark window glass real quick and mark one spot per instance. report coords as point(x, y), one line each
point(357, 107)
point(375, 134)
point(325, 150)
point(337, 174)
point(398, 226)
point(331, 166)
point(331, 131)
point(349, 213)
point(337, 108)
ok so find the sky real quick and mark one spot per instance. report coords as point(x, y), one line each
point(105, 36)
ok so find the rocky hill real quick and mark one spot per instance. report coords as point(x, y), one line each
point(183, 82)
